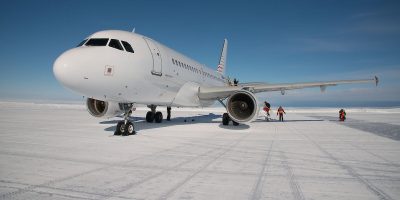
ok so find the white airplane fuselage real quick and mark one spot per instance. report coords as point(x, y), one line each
point(153, 75)
point(116, 70)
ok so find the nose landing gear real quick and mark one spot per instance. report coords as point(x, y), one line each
point(126, 127)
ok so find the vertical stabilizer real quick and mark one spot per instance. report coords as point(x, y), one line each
point(222, 60)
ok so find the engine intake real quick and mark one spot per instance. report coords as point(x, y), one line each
point(242, 106)
point(98, 108)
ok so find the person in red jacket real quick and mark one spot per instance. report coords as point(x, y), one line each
point(342, 115)
point(280, 112)
point(267, 108)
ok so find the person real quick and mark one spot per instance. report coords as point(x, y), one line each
point(168, 113)
point(342, 115)
point(230, 82)
point(267, 108)
point(235, 82)
point(280, 112)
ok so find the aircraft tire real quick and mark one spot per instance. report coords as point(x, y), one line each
point(118, 128)
point(225, 119)
point(235, 123)
point(158, 117)
point(150, 117)
point(129, 129)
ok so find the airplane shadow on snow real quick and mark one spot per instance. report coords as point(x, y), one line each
point(141, 124)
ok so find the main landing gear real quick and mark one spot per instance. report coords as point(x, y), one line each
point(153, 115)
point(226, 119)
point(126, 127)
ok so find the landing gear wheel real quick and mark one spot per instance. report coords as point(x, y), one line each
point(235, 123)
point(225, 119)
point(120, 128)
point(158, 117)
point(129, 129)
point(150, 117)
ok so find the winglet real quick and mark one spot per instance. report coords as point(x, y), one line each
point(376, 80)
point(222, 60)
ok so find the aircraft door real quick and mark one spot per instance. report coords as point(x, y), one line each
point(157, 60)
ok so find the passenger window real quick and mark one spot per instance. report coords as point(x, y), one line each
point(80, 44)
point(127, 47)
point(97, 42)
point(115, 44)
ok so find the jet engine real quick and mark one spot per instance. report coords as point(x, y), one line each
point(242, 106)
point(98, 108)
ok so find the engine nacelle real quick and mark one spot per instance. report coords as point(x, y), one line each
point(242, 106)
point(104, 109)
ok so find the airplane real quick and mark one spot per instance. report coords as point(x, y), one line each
point(116, 70)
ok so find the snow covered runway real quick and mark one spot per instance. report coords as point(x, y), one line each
point(60, 152)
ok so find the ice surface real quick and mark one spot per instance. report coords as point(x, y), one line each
point(51, 151)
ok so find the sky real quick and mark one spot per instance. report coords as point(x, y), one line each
point(269, 41)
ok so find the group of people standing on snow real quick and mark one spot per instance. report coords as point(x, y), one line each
point(281, 112)
point(267, 109)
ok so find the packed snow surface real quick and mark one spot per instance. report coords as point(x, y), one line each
point(50, 151)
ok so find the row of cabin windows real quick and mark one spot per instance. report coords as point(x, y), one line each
point(114, 43)
point(193, 69)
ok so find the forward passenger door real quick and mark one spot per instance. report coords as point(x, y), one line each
point(157, 60)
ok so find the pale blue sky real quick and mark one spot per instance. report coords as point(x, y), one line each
point(269, 41)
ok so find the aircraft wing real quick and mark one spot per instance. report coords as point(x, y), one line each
point(225, 91)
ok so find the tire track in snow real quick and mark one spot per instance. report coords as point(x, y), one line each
point(31, 188)
point(373, 189)
point(294, 186)
point(163, 171)
point(187, 179)
point(257, 189)
point(390, 163)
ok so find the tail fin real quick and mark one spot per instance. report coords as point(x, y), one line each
point(222, 61)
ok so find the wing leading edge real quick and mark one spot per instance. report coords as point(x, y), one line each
point(208, 93)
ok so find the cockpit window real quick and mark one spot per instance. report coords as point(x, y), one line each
point(97, 42)
point(83, 42)
point(115, 44)
point(127, 46)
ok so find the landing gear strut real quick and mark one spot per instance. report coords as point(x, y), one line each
point(126, 127)
point(153, 115)
point(226, 118)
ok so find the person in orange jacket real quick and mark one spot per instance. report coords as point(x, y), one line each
point(280, 112)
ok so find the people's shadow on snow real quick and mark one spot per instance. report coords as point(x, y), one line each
point(141, 123)
point(290, 120)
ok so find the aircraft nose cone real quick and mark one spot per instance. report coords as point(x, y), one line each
point(65, 71)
